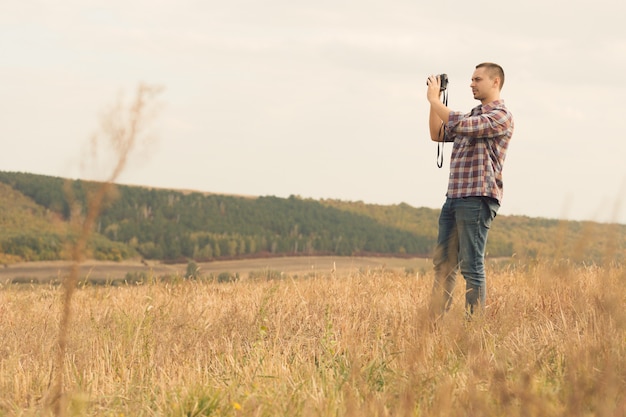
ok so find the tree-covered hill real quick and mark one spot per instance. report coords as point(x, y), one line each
point(173, 225)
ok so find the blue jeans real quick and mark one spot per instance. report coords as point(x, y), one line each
point(463, 227)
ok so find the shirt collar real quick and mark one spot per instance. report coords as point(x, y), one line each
point(492, 105)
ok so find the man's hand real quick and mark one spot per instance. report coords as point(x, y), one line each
point(433, 93)
point(439, 113)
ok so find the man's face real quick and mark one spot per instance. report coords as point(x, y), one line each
point(482, 85)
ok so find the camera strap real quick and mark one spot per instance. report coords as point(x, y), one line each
point(440, 144)
point(440, 150)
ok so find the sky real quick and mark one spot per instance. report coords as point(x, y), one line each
point(320, 99)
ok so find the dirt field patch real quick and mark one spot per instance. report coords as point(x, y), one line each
point(300, 266)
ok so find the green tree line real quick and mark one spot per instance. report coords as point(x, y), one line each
point(172, 225)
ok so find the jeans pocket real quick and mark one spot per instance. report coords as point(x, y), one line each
point(490, 207)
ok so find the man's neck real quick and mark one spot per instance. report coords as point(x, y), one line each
point(490, 99)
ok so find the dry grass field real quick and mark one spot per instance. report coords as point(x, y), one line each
point(354, 341)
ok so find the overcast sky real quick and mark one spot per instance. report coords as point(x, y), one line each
point(322, 99)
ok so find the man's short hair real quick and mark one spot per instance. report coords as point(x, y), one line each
point(494, 70)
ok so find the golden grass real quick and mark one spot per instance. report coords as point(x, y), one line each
point(553, 343)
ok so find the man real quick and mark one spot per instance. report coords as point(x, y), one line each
point(480, 140)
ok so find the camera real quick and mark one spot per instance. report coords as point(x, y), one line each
point(444, 81)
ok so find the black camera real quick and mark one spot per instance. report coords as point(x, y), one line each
point(444, 81)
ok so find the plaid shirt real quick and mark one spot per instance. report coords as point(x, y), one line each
point(481, 139)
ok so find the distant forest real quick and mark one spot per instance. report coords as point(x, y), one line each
point(177, 226)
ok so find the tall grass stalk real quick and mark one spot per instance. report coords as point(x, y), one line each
point(553, 343)
point(121, 132)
